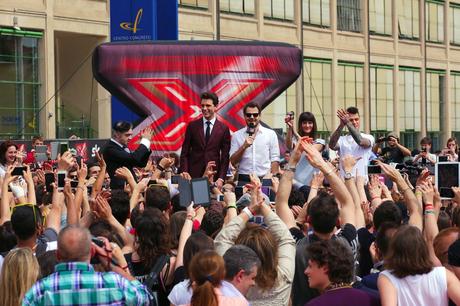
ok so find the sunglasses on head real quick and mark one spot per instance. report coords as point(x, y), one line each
point(34, 208)
point(249, 115)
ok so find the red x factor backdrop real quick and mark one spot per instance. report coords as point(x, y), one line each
point(162, 81)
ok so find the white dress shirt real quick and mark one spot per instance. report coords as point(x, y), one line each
point(258, 157)
point(144, 141)
point(213, 120)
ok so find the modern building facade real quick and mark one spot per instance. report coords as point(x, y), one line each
point(46, 83)
point(397, 60)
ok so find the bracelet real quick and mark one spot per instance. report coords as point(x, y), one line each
point(231, 206)
point(248, 212)
point(418, 192)
point(329, 172)
point(190, 217)
point(160, 168)
point(429, 206)
point(404, 191)
point(427, 212)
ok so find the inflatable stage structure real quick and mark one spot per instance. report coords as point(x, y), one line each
point(162, 81)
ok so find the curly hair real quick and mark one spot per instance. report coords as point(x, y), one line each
point(336, 256)
point(261, 241)
point(212, 223)
point(152, 236)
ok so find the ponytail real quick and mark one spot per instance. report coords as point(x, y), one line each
point(204, 295)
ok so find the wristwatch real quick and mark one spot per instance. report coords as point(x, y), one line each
point(291, 168)
point(348, 175)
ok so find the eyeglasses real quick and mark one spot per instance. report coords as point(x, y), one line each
point(249, 115)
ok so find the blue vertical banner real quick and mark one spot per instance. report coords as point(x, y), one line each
point(140, 20)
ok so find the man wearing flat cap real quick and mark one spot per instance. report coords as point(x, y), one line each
point(117, 154)
point(394, 152)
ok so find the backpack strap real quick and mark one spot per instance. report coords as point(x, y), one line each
point(157, 267)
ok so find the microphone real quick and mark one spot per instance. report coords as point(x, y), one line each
point(251, 129)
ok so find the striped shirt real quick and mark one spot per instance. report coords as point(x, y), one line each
point(76, 283)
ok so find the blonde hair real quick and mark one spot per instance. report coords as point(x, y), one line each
point(20, 271)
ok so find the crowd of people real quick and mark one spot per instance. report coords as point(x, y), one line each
point(312, 226)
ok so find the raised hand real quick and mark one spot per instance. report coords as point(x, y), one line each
point(147, 133)
point(343, 116)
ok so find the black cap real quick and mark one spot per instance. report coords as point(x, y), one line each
point(122, 126)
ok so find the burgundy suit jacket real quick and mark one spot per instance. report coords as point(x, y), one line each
point(196, 154)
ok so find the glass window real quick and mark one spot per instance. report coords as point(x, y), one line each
point(434, 21)
point(195, 3)
point(238, 6)
point(435, 83)
point(316, 12)
point(455, 102)
point(380, 16)
point(409, 100)
point(318, 92)
point(454, 25)
point(274, 113)
point(279, 9)
point(19, 86)
point(408, 18)
point(381, 99)
point(351, 87)
point(349, 15)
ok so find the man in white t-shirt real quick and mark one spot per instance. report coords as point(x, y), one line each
point(254, 148)
point(354, 143)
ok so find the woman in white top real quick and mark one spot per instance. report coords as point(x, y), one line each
point(410, 277)
point(8, 154)
point(306, 126)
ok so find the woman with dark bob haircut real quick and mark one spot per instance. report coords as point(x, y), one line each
point(306, 127)
point(330, 270)
point(410, 277)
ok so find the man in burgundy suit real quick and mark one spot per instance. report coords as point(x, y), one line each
point(206, 139)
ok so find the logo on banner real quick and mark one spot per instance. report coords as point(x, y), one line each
point(132, 26)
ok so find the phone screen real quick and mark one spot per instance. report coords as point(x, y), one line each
point(447, 177)
point(73, 184)
point(200, 191)
point(175, 179)
point(374, 169)
point(64, 147)
point(18, 170)
point(61, 179)
point(267, 182)
point(49, 179)
point(238, 192)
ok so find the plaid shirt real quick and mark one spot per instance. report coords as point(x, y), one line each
point(76, 283)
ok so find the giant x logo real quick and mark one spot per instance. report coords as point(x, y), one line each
point(165, 88)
